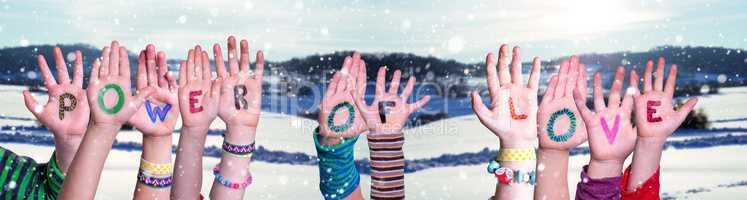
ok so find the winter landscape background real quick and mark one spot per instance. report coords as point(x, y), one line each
point(443, 43)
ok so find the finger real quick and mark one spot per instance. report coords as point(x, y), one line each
point(659, 79)
point(408, 88)
point(104, 70)
point(182, 73)
point(244, 63)
point(260, 66)
point(572, 76)
point(479, 107)
point(632, 91)
point(163, 69)
point(362, 78)
point(142, 95)
point(685, 109)
point(141, 74)
point(95, 68)
point(233, 64)
point(215, 87)
point(380, 82)
point(62, 75)
point(582, 88)
point(492, 73)
point(344, 72)
point(191, 65)
point(206, 73)
point(503, 75)
point(550, 91)
point(598, 93)
point(614, 99)
point(516, 66)
point(417, 105)
point(198, 62)
point(114, 58)
point(78, 69)
point(671, 81)
point(31, 103)
point(171, 80)
point(123, 68)
point(562, 79)
point(46, 74)
point(535, 74)
point(219, 65)
point(360, 102)
point(150, 64)
point(332, 88)
point(647, 76)
point(394, 85)
point(580, 99)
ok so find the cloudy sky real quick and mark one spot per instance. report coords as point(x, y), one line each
point(461, 30)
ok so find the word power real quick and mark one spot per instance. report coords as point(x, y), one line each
point(611, 134)
point(120, 99)
point(650, 110)
point(193, 101)
point(238, 96)
point(551, 123)
point(385, 107)
point(157, 111)
point(67, 107)
point(513, 111)
point(349, 122)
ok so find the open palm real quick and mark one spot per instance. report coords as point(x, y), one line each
point(152, 71)
point(339, 94)
point(72, 119)
point(241, 89)
point(560, 126)
point(198, 94)
point(513, 114)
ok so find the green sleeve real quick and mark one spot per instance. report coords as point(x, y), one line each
point(22, 178)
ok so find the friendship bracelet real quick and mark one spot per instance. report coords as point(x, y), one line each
point(338, 175)
point(523, 154)
point(238, 150)
point(153, 181)
point(154, 169)
point(228, 183)
point(508, 176)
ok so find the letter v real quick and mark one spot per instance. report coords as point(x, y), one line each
point(611, 134)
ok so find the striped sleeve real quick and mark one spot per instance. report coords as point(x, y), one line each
point(387, 166)
point(23, 178)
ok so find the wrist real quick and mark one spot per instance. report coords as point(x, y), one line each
point(157, 148)
point(653, 143)
point(551, 155)
point(605, 168)
point(240, 134)
point(515, 144)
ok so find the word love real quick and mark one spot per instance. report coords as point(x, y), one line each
point(193, 101)
point(611, 134)
point(67, 97)
point(156, 112)
point(650, 110)
point(385, 107)
point(238, 97)
point(551, 125)
point(120, 99)
point(513, 111)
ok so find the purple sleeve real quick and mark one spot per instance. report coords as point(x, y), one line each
point(603, 188)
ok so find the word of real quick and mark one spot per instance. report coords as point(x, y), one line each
point(513, 111)
point(158, 111)
point(120, 99)
point(611, 134)
point(571, 130)
point(238, 96)
point(385, 107)
point(345, 126)
point(193, 101)
point(66, 108)
point(650, 110)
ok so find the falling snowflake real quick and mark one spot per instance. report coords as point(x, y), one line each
point(182, 19)
point(324, 31)
point(70, 56)
point(24, 42)
point(248, 5)
point(456, 44)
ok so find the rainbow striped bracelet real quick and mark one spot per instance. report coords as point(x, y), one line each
point(228, 183)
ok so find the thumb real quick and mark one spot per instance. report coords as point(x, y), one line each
point(685, 109)
point(360, 102)
point(479, 107)
point(31, 104)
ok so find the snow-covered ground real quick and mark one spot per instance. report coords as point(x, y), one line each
point(683, 170)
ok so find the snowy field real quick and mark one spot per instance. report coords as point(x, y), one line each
point(686, 173)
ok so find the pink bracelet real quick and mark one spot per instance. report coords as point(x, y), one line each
point(228, 183)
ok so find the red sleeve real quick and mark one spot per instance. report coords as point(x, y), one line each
point(649, 190)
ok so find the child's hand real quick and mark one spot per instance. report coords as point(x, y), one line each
point(654, 114)
point(389, 111)
point(339, 94)
point(111, 101)
point(513, 113)
point(198, 94)
point(560, 125)
point(66, 113)
point(241, 90)
point(160, 113)
point(612, 137)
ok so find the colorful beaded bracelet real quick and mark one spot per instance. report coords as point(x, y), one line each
point(239, 150)
point(154, 169)
point(508, 176)
point(153, 181)
point(228, 183)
